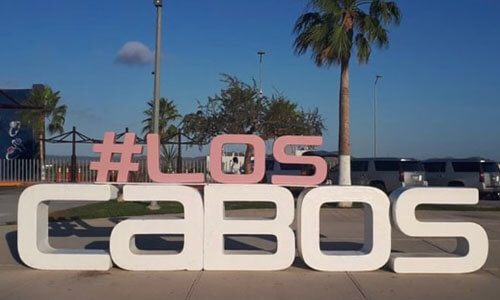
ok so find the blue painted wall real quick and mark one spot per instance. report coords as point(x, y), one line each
point(16, 139)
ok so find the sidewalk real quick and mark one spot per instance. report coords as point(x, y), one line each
point(340, 229)
point(9, 197)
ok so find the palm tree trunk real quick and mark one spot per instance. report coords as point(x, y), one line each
point(164, 164)
point(248, 160)
point(344, 131)
point(41, 138)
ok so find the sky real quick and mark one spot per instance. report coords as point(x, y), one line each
point(439, 96)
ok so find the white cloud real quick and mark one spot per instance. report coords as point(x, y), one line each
point(134, 53)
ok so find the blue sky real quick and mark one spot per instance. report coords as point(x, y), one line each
point(440, 95)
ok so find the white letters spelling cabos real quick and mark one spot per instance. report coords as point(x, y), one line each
point(204, 226)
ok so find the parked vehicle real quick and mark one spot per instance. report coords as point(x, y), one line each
point(386, 174)
point(477, 173)
point(331, 158)
point(274, 167)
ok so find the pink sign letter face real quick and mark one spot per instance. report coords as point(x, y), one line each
point(154, 166)
point(216, 158)
point(109, 146)
point(318, 162)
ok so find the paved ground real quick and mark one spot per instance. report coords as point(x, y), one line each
point(340, 229)
point(8, 204)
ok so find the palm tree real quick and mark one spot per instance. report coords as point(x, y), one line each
point(169, 155)
point(49, 110)
point(168, 114)
point(331, 30)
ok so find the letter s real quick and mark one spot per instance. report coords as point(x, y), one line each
point(472, 241)
point(318, 162)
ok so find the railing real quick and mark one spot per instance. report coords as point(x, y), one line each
point(59, 170)
point(20, 170)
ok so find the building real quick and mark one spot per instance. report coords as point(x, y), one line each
point(17, 140)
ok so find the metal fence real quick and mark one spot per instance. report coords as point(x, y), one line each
point(59, 170)
point(19, 170)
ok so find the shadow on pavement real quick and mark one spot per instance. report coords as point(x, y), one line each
point(146, 243)
point(77, 227)
point(11, 239)
point(340, 246)
point(80, 228)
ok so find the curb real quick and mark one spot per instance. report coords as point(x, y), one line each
point(14, 184)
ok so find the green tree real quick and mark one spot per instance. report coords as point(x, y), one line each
point(240, 109)
point(331, 30)
point(284, 117)
point(169, 156)
point(49, 110)
point(168, 115)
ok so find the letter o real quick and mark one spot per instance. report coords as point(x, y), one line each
point(377, 232)
point(216, 158)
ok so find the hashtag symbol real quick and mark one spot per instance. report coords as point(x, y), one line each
point(110, 147)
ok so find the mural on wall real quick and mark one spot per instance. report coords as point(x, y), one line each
point(16, 139)
point(17, 148)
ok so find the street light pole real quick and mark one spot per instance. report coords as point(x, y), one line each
point(377, 78)
point(261, 54)
point(156, 96)
point(156, 125)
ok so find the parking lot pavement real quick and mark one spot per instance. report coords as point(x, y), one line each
point(340, 229)
point(8, 204)
point(494, 203)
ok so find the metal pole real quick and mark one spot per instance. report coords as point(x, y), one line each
point(156, 123)
point(73, 156)
point(156, 101)
point(179, 152)
point(378, 77)
point(261, 54)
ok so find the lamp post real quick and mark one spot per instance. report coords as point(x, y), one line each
point(156, 125)
point(377, 78)
point(261, 54)
point(156, 95)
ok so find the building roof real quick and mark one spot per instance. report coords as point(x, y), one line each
point(15, 98)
